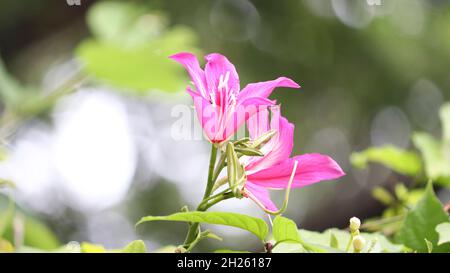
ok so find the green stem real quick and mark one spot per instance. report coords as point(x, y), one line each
point(217, 199)
point(205, 201)
point(193, 229)
point(220, 166)
point(211, 181)
point(349, 243)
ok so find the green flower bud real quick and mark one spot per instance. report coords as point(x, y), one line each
point(355, 224)
point(358, 243)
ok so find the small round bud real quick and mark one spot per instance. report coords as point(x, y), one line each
point(358, 243)
point(355, 223)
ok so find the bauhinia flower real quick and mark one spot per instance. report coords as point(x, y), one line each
point(220, 104)
point(275, 169)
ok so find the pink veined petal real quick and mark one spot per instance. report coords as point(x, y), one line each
point(190, 62)
point(259, 195)
point(242, 112)
point(279, 148)
point(264, 89)
point(217, 67)
point(206, 114)
point(312, 168)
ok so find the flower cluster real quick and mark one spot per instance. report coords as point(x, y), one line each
point(263, 161)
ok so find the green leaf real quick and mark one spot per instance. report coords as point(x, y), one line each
point(137, 246)
point(444, 233)
point(401, 192)
point(141, 69)
point(131, 46)
point(421, 221)
point(401, 161)
point(334, 243)
point(6, 246)
point(285, 230)
point(382, 195)
point(211, 235)
point(36, 233)
point(437, 163)
point(92, 248)
point(166, 249)
point(122, 22)
point(251, 224)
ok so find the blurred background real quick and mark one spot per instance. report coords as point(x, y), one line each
point(87, 94)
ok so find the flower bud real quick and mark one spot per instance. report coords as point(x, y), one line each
point(358, 243)
point(235, 171)
point(263, 139)
point(355, 223)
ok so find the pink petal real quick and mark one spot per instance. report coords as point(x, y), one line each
point(264, 89)
point(279, 148)
point(242, 112)
point(190, 62)
point(312, 168)
point(259, 195)
point(258, 124)
point(206, 115)
point(218, 66)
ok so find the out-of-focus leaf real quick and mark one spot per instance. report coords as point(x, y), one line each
point(72, 247)
point(6, 246)
point(39, 235)
point(251, 224)
point(166, 249)
point(92, 248)
point(444, 233)
point(6, 216)
point(437, 161)
point(401, 161)
point(124, 23)
point(421, 221)
point(36, 234)
point(334, 243)
point(289, 248)
point(382, 195)
point(401, 192)
point(137, 246)
point(285, 230)
point(142, 68)
point(131, 47)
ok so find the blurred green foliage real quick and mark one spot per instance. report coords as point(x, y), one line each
point(130, 48)
point(435, 155)
point(404, 162)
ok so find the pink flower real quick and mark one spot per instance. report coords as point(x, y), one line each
point(220, 104)
point(274, 169)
